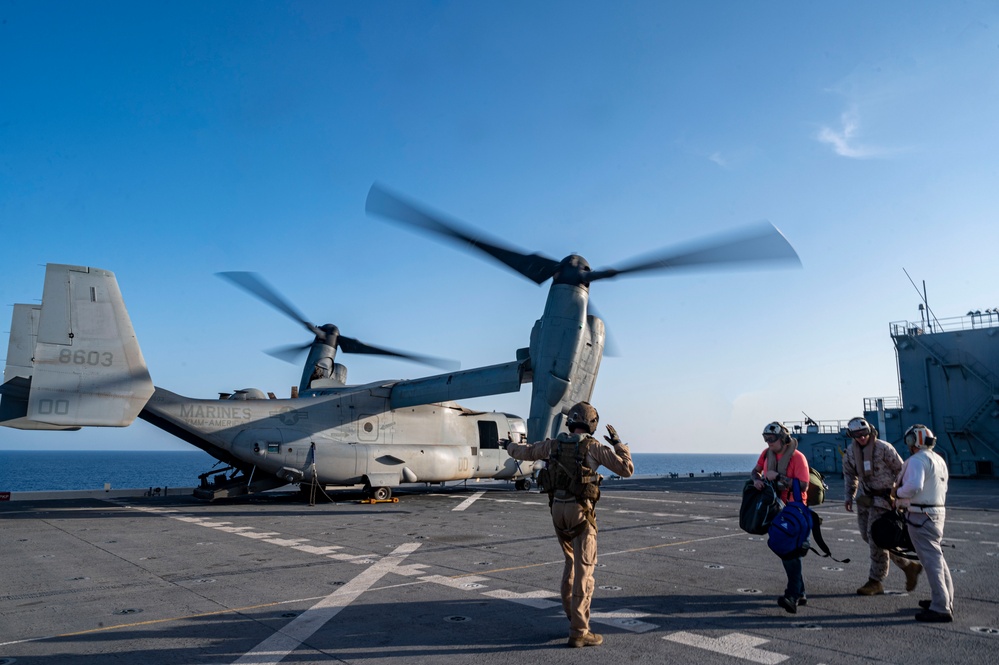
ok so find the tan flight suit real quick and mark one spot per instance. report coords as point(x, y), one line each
point(873, 499)
point(576, 534)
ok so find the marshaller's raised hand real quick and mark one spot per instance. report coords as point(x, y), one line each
point(613, 438)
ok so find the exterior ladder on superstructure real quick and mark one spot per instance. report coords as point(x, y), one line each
point(969, 365)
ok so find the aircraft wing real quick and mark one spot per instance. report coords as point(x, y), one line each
point(479, 382)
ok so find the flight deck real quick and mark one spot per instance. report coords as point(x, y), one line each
point(465, 574)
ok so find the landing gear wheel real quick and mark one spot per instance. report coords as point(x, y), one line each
point(523, 484)
point(381, 493)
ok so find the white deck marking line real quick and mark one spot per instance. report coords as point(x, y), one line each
point(950, 521)
point(625, 618)
point(272, 537)
point(733, 644)
point(287, 639)
point(536, 599)
point(467, 502)
point(462, 582)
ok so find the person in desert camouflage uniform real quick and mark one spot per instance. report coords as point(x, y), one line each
point(573, 487)
point(872, 465)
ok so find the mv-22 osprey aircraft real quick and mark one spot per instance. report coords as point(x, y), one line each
point(75, 362)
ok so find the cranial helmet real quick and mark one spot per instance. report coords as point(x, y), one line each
point(583, 415)
point(777, 429)
point(919, 437)
point(858, 426)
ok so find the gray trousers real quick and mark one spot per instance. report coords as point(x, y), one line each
point(926, 532)
point(879, 557)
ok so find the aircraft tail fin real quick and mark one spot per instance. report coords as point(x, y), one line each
point(17, 374)
point(21, 346)
point(74, 361)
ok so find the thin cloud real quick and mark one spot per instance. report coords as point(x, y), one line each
point(718, 159)
point(732, 158)
point(844, 140)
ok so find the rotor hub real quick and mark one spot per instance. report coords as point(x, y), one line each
point(573, 270)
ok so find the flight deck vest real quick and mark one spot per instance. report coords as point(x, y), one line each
point(566, 473)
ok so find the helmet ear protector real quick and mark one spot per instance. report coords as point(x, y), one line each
point(920, 437)
point(583, 415)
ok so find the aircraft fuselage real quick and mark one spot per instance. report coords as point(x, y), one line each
point(345, 437)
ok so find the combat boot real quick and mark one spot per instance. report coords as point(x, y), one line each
point(789, 604)
point(912, 575)
point(587, 640)
point(872, 588)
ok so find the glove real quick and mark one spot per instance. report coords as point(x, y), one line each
point(613, 439)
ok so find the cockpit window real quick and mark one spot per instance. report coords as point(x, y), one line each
point(488, 435)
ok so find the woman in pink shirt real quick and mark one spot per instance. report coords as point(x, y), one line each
point(781, 463)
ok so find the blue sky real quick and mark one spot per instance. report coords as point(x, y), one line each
point(170, 141)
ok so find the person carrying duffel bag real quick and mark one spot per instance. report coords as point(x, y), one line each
point(781, 463)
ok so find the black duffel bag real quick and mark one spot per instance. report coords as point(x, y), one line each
point(759, 508)
point(890, 533)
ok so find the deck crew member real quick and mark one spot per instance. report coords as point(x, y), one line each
point(922, 492)
point(873, 465)
point(781, 463)
point(573, 486)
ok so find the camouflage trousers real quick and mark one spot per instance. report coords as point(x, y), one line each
point(866, 515)
point(580, 551)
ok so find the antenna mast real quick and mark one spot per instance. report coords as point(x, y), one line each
point(930, 316)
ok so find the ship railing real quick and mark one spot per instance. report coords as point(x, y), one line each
point(878, 403)
point(816, 426)
point(988, 318)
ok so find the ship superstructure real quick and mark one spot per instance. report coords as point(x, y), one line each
point(948, 379)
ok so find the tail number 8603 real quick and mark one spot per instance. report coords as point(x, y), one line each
point(81, 357)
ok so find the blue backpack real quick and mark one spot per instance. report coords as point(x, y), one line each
point(788, 534)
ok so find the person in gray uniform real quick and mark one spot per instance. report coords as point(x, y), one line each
point(872, 465)
point(922, 492)
point(573, 487)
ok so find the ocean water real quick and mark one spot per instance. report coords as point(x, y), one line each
point(41, 470)
point(663, 464)
point(32, 471)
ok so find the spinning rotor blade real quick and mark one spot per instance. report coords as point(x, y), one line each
point(256, 286)
point(293, 352)
point(611, 348)
point(534, 267)
point(351, 345)
point(290, 353)
point(253, 284)
point(759, 243)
